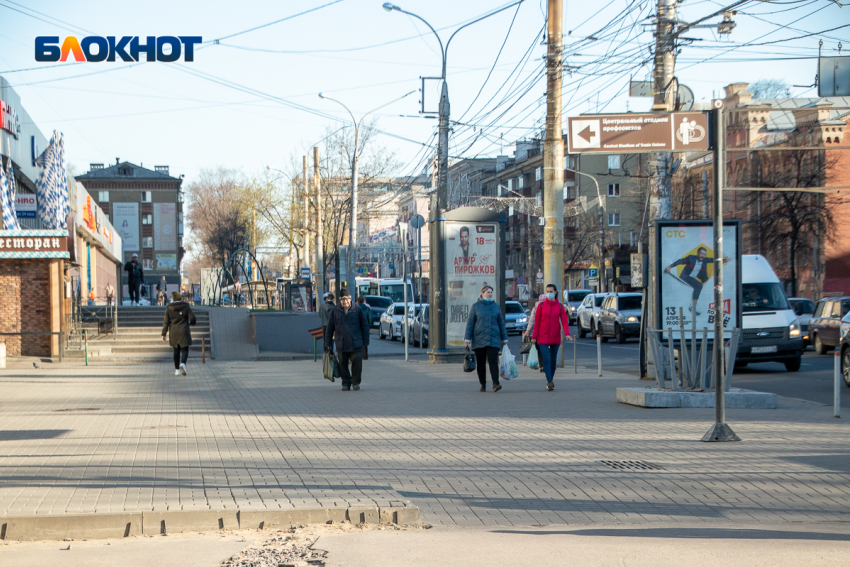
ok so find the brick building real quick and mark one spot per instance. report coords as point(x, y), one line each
point(146, 208)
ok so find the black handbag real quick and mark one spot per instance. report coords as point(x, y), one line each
point(525, 345)
point(469, 361)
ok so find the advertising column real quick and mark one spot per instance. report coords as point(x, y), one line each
point(472, 261)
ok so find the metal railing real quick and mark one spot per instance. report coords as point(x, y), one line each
point(41, 334)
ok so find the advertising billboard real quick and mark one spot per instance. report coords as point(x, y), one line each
point(166, 262)
point(165, 226)
point(471, 263)
point(125, 219)
point(685, 276)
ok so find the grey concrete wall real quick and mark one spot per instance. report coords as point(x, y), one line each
point(286, 332)
point(232, 334)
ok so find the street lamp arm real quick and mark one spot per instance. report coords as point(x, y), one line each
point(324, 96)
point(592, 178)
point(421, 19)
point(484, 17)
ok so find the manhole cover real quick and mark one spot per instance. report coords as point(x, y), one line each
point(631, 465)
point(158, 427)
point(78, 409)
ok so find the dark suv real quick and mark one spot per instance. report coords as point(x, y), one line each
point(825, 323)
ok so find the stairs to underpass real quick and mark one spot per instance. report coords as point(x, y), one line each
point(138, 336)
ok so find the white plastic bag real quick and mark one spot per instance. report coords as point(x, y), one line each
point(507, 365)
point(533, 361)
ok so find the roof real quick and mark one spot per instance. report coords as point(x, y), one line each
point(125, 170)
point(782, 109)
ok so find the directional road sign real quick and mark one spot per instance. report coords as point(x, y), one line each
point(638, 133)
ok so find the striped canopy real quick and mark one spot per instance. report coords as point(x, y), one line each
point(52, 184)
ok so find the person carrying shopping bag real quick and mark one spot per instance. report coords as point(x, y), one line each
point(549, 317)
point(529, 330)
point(486, 334)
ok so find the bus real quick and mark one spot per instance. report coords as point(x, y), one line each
point(392, 288)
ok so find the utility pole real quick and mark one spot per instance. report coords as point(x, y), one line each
point(553, 151)
point(305, 187)
point(320, 232)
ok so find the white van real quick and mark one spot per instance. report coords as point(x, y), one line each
point(771, 329)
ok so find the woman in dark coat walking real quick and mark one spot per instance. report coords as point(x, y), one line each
point(178, 317)
point(486, 334)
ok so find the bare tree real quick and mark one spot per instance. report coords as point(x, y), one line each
point(791, 222)
point(218, 223)
point(770, 88)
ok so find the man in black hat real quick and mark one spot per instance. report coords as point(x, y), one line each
point(135, 278)
point(349, 328)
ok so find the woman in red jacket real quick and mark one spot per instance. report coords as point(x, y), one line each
point(549, 316)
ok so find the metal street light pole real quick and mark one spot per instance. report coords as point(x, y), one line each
point(352, 231)
point(436, 258)
point(601, 230)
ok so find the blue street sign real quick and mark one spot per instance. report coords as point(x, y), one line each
point(593, 273)
point(305, 273)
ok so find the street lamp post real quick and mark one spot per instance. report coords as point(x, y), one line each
point(601, 229)
point(352, 230)
point(436, 267)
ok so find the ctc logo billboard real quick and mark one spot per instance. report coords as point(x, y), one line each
point(94, 48)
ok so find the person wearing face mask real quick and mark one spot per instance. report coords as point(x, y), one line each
point(486, 334)
point(529, 330)
point(549, 317)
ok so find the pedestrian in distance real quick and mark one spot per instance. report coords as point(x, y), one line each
point(162, 292)
point(135, 278)
point(530, 328)
point(178, 318)
point(325, 314)
point(348, 328)
point(549, 317)
point(486, 334)
point(110, 294)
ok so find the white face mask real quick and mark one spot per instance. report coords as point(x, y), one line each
point(551, 295)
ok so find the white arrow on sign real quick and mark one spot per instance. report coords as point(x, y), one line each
point(585, 134)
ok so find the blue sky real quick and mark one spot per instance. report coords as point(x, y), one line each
point(240, 103)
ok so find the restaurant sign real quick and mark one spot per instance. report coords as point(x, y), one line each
point(21, 244)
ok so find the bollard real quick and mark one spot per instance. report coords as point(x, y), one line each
point(599, 353)
point(203, 349)
point(86, 339)
point(836, 387)
point(575, 352)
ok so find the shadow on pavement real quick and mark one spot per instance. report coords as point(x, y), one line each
point(22, 434)
point(691, 533)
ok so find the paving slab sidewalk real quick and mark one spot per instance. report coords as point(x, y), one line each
point(275, 435)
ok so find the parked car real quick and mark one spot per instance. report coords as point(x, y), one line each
point(378, 304)
point(804, 309)
point(420, 325)
point(825, 324)
point(573, 299)
point(845, 349)
point(390, 324)
point(516, 319)
point(587, 312)
point(413, 310)
point(619, 316)
point(771, 330)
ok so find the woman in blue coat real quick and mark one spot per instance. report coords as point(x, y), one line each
point(486, 334)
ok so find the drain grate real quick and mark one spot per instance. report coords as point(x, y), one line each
point(78, 409)
point(631, 465)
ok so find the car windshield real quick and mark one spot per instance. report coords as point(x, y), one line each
point(395, 292)
point(577, 295)
point(380, 302)
point(514, 308)
point(763, 297)
point(599, 299)
point(399, 310)
point(627, 303)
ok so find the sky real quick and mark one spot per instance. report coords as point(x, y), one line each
point(250, 100)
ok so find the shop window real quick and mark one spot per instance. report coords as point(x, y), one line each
point(613, 219)
point(613, 189)
point(146, 196)
point(103, 196)
point(147, 242)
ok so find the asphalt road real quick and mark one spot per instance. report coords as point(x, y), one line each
point(813, 382)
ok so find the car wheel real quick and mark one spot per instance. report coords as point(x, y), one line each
point(392, 335)
point(381, 332)
point(741, 364)
point(820, 348)
point(619, 334)
point(582, 332)
point(845, 366)
point(794, 364)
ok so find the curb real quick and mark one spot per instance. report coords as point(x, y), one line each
point(124, 524)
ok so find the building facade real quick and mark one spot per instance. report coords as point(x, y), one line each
point(146, 208)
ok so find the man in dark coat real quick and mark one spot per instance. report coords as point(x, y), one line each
point(325, 314)
point(178, 317)
point(135, 278)
point(349, 328)
point(695, 273)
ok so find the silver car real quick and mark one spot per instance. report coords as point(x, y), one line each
point(588, 312)
point(391, 322)
point(619, 316)
point(573, 299)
